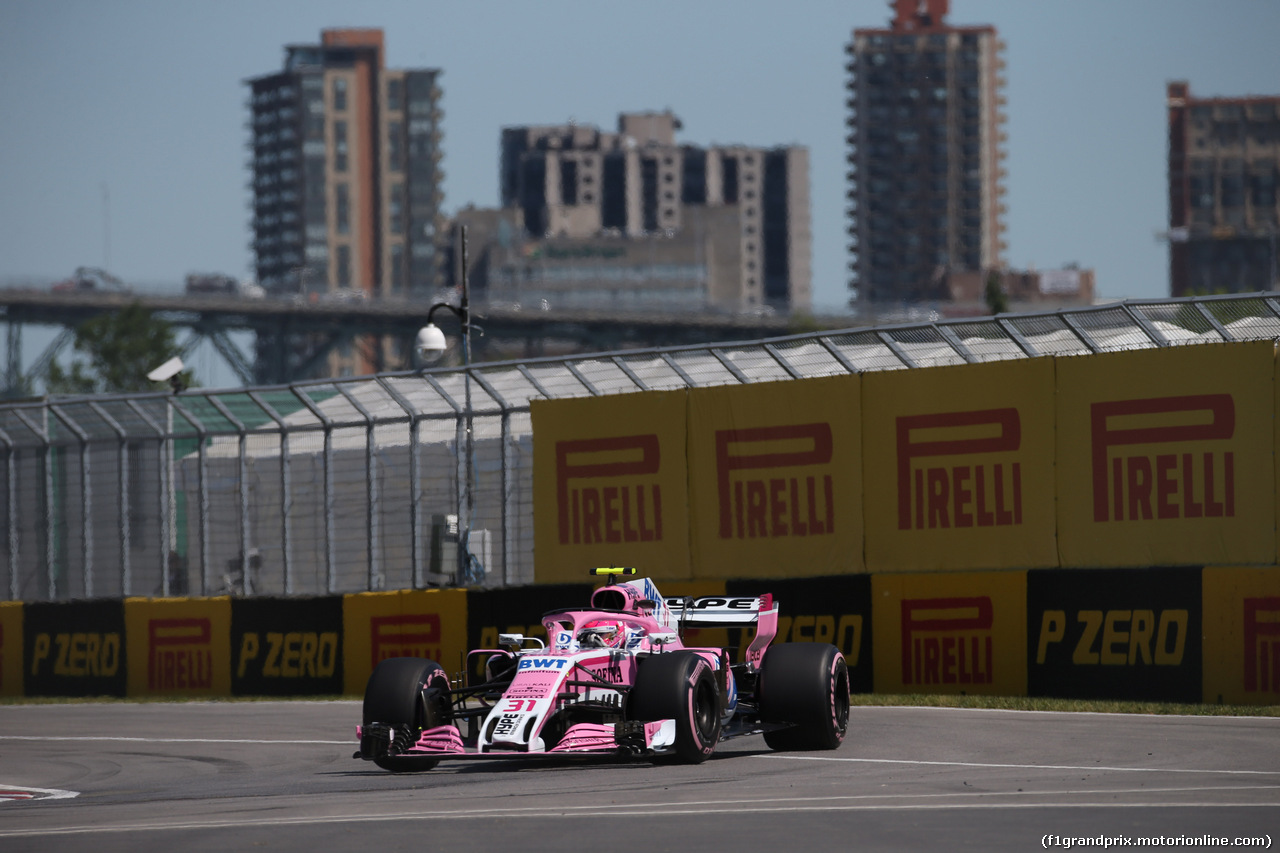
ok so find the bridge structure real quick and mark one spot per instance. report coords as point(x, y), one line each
point(293, 335)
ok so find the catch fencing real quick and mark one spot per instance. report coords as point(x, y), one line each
point(418, 479)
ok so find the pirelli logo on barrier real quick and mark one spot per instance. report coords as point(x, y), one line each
point(947, 641)
point(179, 654)
point(963, 457)
point(428, 624)
point(1242, 635)
point(1261, 652)
point(949, 632)
point(610, 479)
point(416, 635)
point(984, 492)
point(767, 492)
point(1166, 457)
point(627, 509)
point(1134, 480)
point(178, 646)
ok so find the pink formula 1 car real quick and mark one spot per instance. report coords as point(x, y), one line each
point(612, 679)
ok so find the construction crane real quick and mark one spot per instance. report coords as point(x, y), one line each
point(91, 278)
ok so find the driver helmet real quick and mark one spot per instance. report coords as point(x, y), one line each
point(602, 634)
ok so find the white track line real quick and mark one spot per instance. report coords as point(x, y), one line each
point(595, 812)
point(1072, 767)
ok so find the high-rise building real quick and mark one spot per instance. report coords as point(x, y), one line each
point(1224, 162)
point(346, 170)
point(925, 178)
point(634, 217)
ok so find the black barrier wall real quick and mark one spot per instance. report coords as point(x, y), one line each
point(74, 648)
point(1130, 634)
point(286, 646)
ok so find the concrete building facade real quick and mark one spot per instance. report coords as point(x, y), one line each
point(1224, 164)
point(632, 217)
point(925, 154)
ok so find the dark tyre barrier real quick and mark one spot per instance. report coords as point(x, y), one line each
point(680, 686)
point(397, 694)
point(806, 684)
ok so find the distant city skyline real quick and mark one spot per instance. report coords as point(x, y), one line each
point(125, 143)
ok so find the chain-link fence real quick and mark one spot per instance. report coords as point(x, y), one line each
point(411, 480)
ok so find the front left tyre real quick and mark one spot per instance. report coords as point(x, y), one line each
point(410, 695)
point(680, 686)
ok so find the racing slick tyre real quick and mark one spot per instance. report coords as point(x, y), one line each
point(806, 684)
point(679, 686)
point(397, 695)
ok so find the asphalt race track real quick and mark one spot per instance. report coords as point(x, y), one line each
point(279, 776)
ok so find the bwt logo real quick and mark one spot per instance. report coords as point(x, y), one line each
point(1146, 486)
point(1262, 645)
point(623, 512)
point(405, 636)
point(946, 640)
point(982, 493)
point(179, 654)
point(774, 506)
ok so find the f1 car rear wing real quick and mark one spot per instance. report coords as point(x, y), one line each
point(722, 611)
point(732, 611)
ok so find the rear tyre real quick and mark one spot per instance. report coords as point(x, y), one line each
point(806, 684)
point(680, 686)
point(397, 694)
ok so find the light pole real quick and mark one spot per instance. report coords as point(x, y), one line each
point(430, 346)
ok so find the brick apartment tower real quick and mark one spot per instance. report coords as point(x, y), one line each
point(1224, 163)
point(346, 180)
point(925, 178)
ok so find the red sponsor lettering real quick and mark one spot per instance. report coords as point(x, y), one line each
point(947, 640)
point(179, 653)
point(1262, 645)
point(793, 504)
point(415, 635)
point(622, 512)
point(980, 494)
point(1143, 487)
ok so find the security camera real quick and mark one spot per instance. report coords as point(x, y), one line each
point(430, 344)
point(166, 371)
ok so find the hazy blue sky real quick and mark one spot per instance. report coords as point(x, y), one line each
point(146, 98)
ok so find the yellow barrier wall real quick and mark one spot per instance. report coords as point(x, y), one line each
point(428, 624)
point(958, 466)
point(178, 646)
point(1242, 635)
point(950, 633)
point(11, 648)
point(610, 485)
point(775, 479)
point(1165, 457)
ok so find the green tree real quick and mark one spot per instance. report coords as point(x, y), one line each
point(995, 297)
point(120, 348)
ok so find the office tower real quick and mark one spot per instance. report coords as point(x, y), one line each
point(925, 154)
point(1224, 161)
point(346, 170)
point(632, 217)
